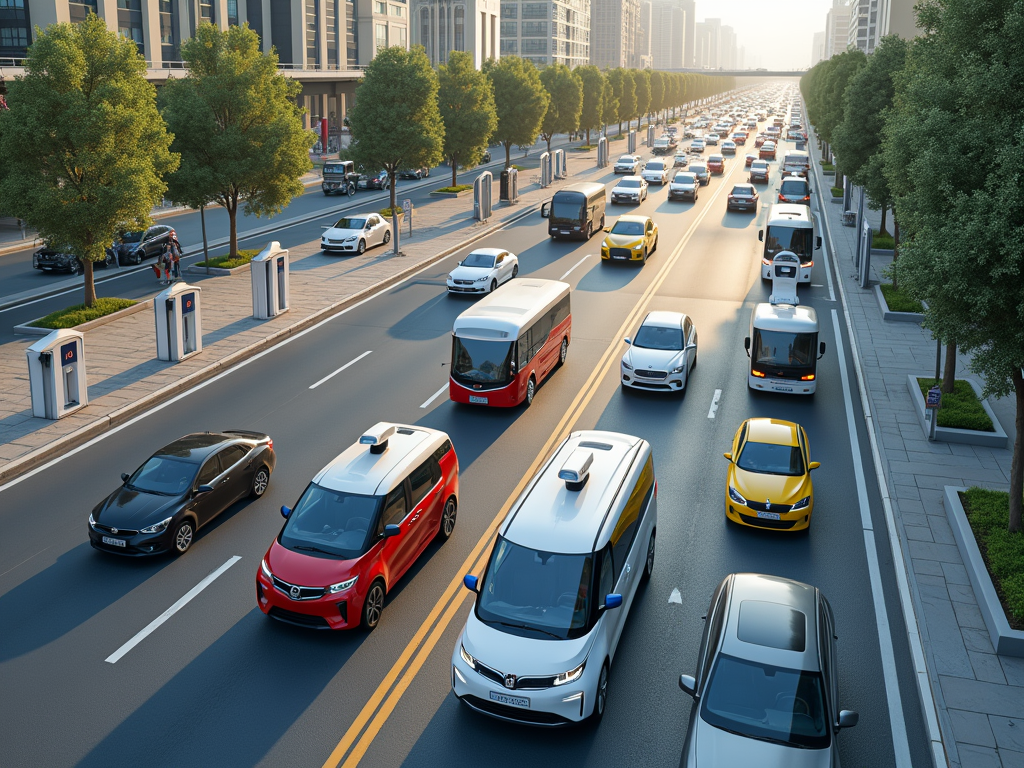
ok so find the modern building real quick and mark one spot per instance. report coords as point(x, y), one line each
point(690, 9)
point(546, 31)
point(708, 44)
point(863, 25)
point(837, 25)
point(442, 26)
point(818, 48)
point(727, 49)
point(668, 34)
point(642, 46)
point(613, 32)
point(897, 17)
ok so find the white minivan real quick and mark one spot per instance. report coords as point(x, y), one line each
point(551, 605)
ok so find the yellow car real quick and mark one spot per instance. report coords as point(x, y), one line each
point(633, 238)
point(768, 484)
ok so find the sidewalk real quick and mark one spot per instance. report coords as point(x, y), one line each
point(979, 695)
point(125, 377)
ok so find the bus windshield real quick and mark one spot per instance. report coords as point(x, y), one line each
point(476, 361)
point(799, 240)
point(567, 206)
point(784, 349)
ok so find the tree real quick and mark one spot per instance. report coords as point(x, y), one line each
point(592, 114)
point(466, 102)
point(642, 80)
point(610, 105)
point(658, 83)
point(963, 254)
point(565, 101)
point(84, 149)
point(396, 120)
point(520, 99)
point(236, 126)
point(626, 93)
point(833, 92)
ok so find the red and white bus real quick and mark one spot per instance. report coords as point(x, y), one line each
point(509, 342)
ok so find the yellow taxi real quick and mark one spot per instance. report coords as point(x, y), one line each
point(633, 238)
point(768, 484)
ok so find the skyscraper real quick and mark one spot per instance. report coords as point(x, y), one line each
point(547, 32)
point(668, 34)
point(613, 32)
point(837, 24)
point(442, 26)
point(818, 48)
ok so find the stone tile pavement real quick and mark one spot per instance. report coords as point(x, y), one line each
point(979, 695)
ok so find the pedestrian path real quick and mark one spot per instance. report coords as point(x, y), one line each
point(979, 695)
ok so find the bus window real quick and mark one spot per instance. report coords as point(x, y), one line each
point(798, 240)
point(481, 362)
point(784, 350)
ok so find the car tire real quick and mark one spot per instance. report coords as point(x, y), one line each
point(136, 258)
point(362, 247)
point(373, 605)
point(649, 562)
point(655, 244)
point(563, 351)
point(531, 391)
point(494, 286)
point(600, 696)
point(260, 481)
point(449, 516)
point(387, 237)
point(515, 271)
point(184, 535)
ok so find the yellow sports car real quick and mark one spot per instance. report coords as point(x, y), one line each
point(768, 484)
point(633, 238)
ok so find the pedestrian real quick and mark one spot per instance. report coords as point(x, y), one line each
point(159, 266)
point(167, 260)
point(175, 257)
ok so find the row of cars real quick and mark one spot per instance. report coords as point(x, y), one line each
point(130, 248)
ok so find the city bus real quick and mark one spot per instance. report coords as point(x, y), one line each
point(507, 343)
point(790, 227)
point(576, 210)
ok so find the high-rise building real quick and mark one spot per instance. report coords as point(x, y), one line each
point(897, 17)
point(818, 48)
point(862, 33)
point(727, 48)
point(546, 31)
point(713, 54)
point(702, 33)
point(642, 46)
point(690, 9)
point(667, 34)
point(837, 25)
point(442, 26)
point(613, 32)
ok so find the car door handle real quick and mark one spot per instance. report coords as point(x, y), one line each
point(437, 492)
point(628, 568)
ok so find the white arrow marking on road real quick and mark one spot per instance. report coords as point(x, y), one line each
point(182, 602)
point(714, 403)
point(346, 365)
point(676, 596)
point(434, 396)
point(575, 265)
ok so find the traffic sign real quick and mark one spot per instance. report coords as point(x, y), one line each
point(407, 206)
point(934, 398)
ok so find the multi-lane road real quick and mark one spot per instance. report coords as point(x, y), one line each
point(220, 684)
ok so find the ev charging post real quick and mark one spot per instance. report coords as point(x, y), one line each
point(270, 273)
point(179, 322)
point(56, 374)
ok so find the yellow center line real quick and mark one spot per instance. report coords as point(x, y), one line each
point(374, 708)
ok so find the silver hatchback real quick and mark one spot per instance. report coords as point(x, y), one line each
point(766, 692)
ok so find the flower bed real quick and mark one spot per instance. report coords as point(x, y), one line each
point(458, 188)
point(78, 314)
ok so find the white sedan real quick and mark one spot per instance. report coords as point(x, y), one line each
point(630, 164)
point(354, 234)
point(656, 172)
point(631, 189)
point(662, 354)
point(482, 271)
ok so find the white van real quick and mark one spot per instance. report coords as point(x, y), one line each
point(553, 600)
point(790, 227)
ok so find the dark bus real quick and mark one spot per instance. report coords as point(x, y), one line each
point(576, 210)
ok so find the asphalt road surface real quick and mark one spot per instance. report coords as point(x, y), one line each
point(220, 684)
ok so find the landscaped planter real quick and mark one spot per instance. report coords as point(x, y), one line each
point(30, 330)
point(1006, 641)
point(198, 269)
point(463, 193)
point(898, 317)
point(838, 200)
point(995, 439)
point(882, 252)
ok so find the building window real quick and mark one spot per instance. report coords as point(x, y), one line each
point(425, 33)
point(403, 37)
point(206, 12)
point(537, 46)
point(382, 36)
point(168, 32)
point(80, 10)
point(331, 17)
point(460, 29)
point(351, 36)
point(129, 22)
point(379, 6)
point(534, 29)
point(397, 10)
point(536, 10)
point(14, 29)
point(312, 33)
point(509, 11)
point(233, 12)
point(509, 47)
point(510, 29)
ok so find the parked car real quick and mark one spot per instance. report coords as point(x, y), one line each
point(629, 164)
point(743, 197)
point(414, 173)
point(716, 164)
point(631, 189)
point(684, 186)
point(52, 259)
point(354, 234)
point(482, 271)
point(133, 247)
point(661, 354)
point(380, 181)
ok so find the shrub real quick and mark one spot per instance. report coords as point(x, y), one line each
point(837, 191)
point(386, 212)
point(459, 188)
point(78, 314)
point(225, 262)
point(989, 514)
point(961, 408)
point(899, 300)
point(883, 242)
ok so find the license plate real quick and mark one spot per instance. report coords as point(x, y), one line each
point(769, 515)
point(478, 399)
point(783, 389)
point(114, 542)
point(622, 258)
point(563, 232)
point(511, 701)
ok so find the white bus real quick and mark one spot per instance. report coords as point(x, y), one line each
point(790, 227)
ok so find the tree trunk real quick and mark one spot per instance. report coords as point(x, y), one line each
point(454, 159)
point(232, 206)
point(508, 153)
point(206, 246)
point(1017, 464)
point(90, 282)
point(620, 127)
point(949, 369)
point(881, 227)
point(895, 247)
point(391, 183)
point(588, 137)
point(547, 140)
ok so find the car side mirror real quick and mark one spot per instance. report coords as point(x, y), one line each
point(607, 229)
point(459, 264)
point(728, 456)
point(688, 684)
point(817, 243)
point(203, 489)
point(285, 512)
point(746, 345)
point(628, 340)
point(689, 347)
point(391, 530)
point(124, 477)
point(760, 235)
point(814, 465)
point(821, 349)
point(545, 211)
point(613, 600)
point(848, 718)
point(469, 581)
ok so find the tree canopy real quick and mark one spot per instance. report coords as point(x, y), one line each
point(521, 101)
point(565, 101)
point(642, 84)
point(592, 113)
point(466, 101)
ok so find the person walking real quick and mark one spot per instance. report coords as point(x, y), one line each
point(175, 257)
point(159, 267)
point(167, 259)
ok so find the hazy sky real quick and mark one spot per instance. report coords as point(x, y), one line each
point(777, 34)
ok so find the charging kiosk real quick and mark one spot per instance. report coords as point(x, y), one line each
point(270, 271)
point(785, 275)
point(179, 322)
point(56, 374)
point(561, 169)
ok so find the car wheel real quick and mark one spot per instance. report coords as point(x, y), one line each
point(373, 606)
point(563, 351)
point(448, 516)
point(184, 534)
point(362, 247)
point(531, 390)
point(494, 286)
point(600, 696)
point(260, 481)
point(387, 237)
point(649, 562)
point(655, 244)
point(136, 258)
point(515, 270)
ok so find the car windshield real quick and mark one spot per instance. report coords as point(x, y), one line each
point(627, 159)
point(764, 702)
point(165, 475)
point(656, 166)
point(771, 459)
point(567, 206)
point(628, 228)
point(350, 224)
point(793, 188)
point(477, 361)
point(629, 183)
point(784, 238)
point(534, 593)
point(716, 159)
point(685, 178)
point(331, 522)
point(132, 237)
point(334, 168)
point(482, 260)
point(656, 337)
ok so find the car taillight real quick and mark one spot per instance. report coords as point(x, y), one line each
point(758, 374)
point(809, 377)
point(270, 443)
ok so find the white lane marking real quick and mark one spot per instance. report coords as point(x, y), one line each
point(182, 602)
point(335, 373)
point(434, 396)
point(897, 723)
point(575, 265)
point(676, 596)
point(714, 403)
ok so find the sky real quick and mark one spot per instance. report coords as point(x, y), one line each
point(778, 34)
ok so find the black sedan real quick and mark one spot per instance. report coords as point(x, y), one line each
point(414, 173)
point(133, 247)
point(52, 259)
point(179, 489)
point(380, 181)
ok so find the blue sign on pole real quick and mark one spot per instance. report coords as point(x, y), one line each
point(934, 398)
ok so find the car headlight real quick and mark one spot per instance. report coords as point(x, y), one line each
point(735, 496)
point(680, 369)
point(571, 675)
point(341, 586)
point(626, 365)
point(802, 504)
point(92, 520)
point(157, 527)
point(483, 279)
point(351, 239)
point(466, 657)
point(266, 569)
point(638, 246)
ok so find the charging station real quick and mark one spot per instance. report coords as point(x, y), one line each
point(179, 322)
point(785, 274)
point(270, 275)
point(56, 374)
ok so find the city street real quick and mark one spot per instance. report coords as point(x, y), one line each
point(218, 683)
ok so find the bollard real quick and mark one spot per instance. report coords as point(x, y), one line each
point(602, 152)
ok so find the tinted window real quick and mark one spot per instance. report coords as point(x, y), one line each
point(793, 188)
point(771, 459)
point(331, 522)
point(655, 337)
point(484, 260)
point(628, 228)
point(629, 183)
point(441, 452)
point(231, 456)
point(209, 471)
point(421, 481)
point(476, 361)
point(163, 474)
point(626, 527)
point(783, 349)
point(772, 625)
point(394, 506)
point(350, 223)
point(606, 584)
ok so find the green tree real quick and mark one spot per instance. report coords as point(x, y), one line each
point(466, 101)
point(626, 93)
point(396, 121)
point(610, 105)
point(958, 95)
point(521, 100)
point(642, 81)
point(659, 81)
point(592, 114)
point(236, 126)
point(565, 101)
point(833, 93)
point(83, 147)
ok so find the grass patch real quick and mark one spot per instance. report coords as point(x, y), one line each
point(386, 212)
point(826, 166)
point(457, 188)
point(616, 137)
point(226, 262)
point(898, 300)
point(883, 242)
point(584, 147)
point(519, 168)
point(989, 513)
point(837, 191)
point(78, 314)
point(961, 409)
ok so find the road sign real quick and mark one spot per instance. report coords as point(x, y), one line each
point(407, 206)
point(934, 398)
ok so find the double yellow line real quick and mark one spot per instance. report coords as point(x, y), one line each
point(382, 703)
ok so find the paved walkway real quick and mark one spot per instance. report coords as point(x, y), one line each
point(979, 695)
point(124, 375)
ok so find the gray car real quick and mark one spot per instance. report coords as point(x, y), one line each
point(766, 691)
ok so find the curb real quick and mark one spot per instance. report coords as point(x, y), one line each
point(30, 330)
point(896, 317)
point(995, 439)
point(82, 435)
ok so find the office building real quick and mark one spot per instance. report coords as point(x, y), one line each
point(546, 32)
point(643, 36)
point(442, 26)
point(818, 48)
point(667, 34)
point(613, 32)
point(897, 17)
point(863, 33)
point(727, 54)
point(837, 25)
